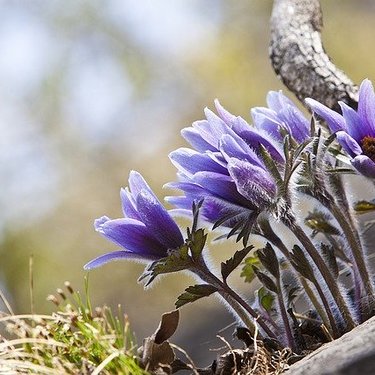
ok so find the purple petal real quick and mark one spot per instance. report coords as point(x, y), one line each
point(258, 113)
point(366, 107)
point(240, 150)
point(193, 136)
point(276, 100)
point(256, 137)
point(226, 116)
point(214, 209)
point(190, 162)
point(252, 182)
point(298, 125)
point(158, 221)
point(335, 121)
point(211, 132)
point(186, 186)
point(181, 213)
point(221, 186)
point(98, 223)
point(353, 122)
point(182, 202)
point(218, 158)
point(214, 120)
point(267, 120)
point(137, 183)
point(109, 257)
point(349, 144)
point(193, 193)
point(128, 204)
point(133, 236)
point(240, 126)
point(364, 165)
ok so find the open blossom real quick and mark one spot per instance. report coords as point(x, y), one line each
point(225, 169)
point(147, 232)
point(355, 130)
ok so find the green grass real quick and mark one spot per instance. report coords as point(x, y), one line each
point(76, 338)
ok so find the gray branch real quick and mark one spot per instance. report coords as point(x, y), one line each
point(298, 56)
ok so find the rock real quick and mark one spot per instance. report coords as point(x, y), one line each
point(351, 354)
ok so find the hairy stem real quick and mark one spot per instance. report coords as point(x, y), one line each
point(357, 252)
point(335, 332)
point(225, 291)
point(239, 311)
point(322, 267)
point(326, 315)
point(320, 310)
point(284, 315)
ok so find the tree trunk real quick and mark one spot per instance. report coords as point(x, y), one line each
point(298, 56)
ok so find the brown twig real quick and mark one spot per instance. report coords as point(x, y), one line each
point(298, 57)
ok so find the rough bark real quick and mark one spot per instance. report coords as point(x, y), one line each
point(298, 56)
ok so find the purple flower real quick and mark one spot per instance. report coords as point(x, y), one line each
point(147, 231)
point(281, 115)
point(355, 130)
point(252, 136)
point(225, 169)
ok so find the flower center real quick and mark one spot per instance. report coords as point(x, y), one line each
point(368, 147)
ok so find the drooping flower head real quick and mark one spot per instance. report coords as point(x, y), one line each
point(355, 130)
point(147, 231)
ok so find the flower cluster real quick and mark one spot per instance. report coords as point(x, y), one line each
point(239, 177)
point(225, 167)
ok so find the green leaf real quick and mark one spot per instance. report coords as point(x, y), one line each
point(301, 264)
point(266, 299)
point(195, 209)
point(193, 293)
point(232, 263)
point(197, 242)
point(196, 238)
point(247, 270)
point(319, 222)
point(265, 280)
point(341, 170)
point(247, 228)
point(271, 167)
point(363, 207)
point(268, 258)
point(329, 140)
point(243, 228)
point(224, 219)
point(293, 162)
point(236, 228)
point(316, 142)
point(301, 147)
point(178, 260)
point(283, 132)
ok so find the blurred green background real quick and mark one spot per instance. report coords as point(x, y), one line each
point(90, 90)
